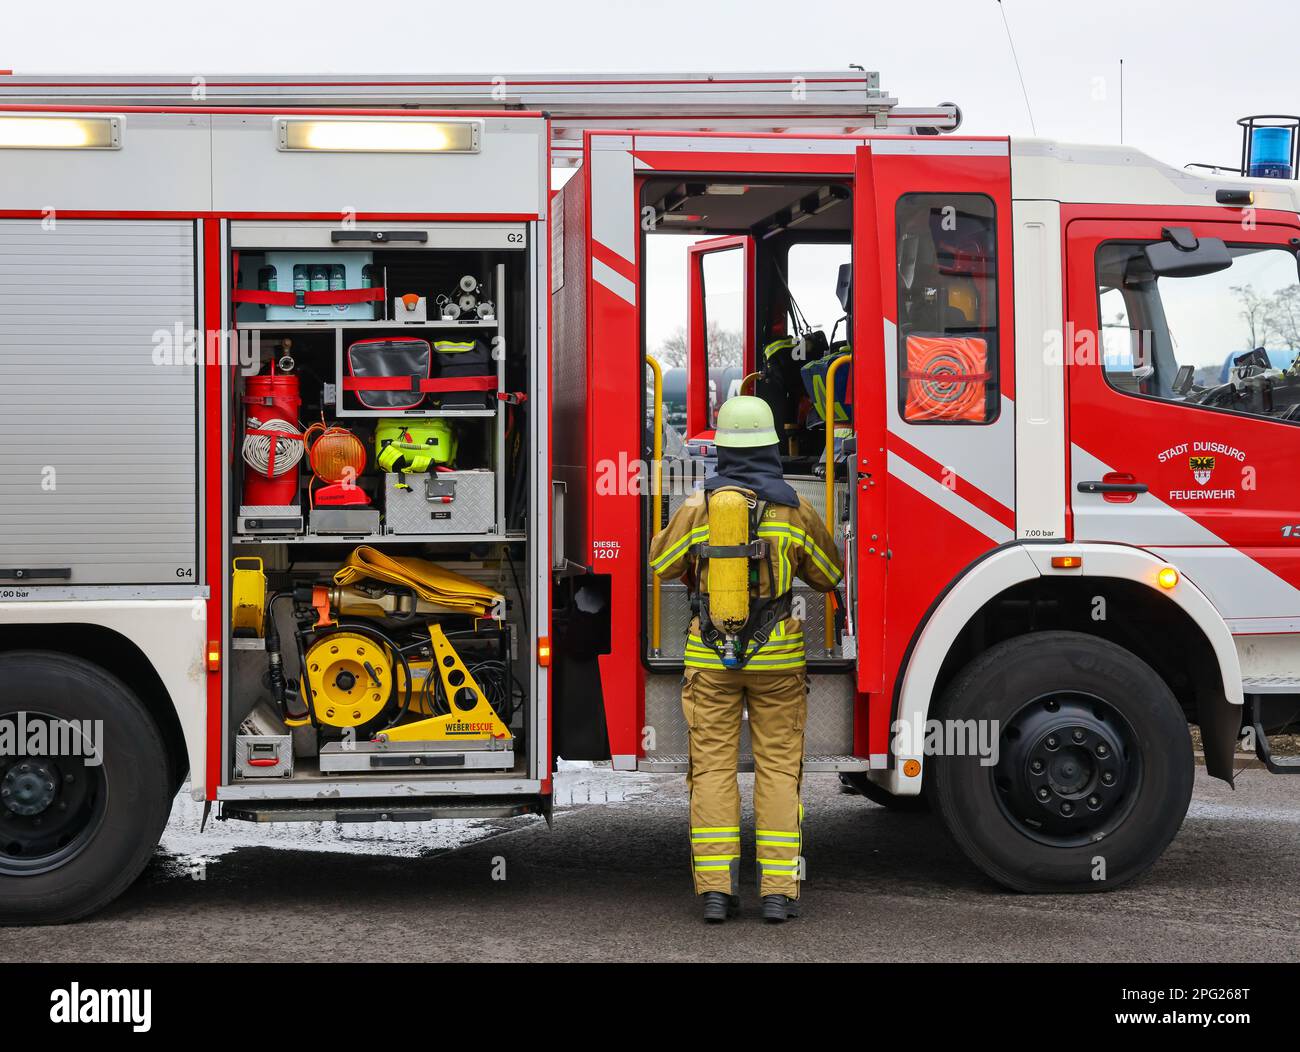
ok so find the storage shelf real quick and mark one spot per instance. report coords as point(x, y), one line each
point(372, 538)
point(329, 326)
point(415, 414)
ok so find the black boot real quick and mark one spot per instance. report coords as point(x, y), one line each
point(718, 906)
point(777, 909)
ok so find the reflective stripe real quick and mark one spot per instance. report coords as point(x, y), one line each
point(715, 858)
point(716, 665)
point(777, 839)
point(713, 865)
point(715, 829)
point(806, 542)
point(783, 344)
point(700, 533)
point(779, 863)
point(776, 832)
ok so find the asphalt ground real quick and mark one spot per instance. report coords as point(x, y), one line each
point(610, 883)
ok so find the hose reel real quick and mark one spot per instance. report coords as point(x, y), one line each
point(351, 678)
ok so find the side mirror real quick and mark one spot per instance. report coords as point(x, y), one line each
point(1183, 255)
point(844, 287)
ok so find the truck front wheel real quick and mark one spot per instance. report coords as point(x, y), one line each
point(1093, 768)
point(83, 787)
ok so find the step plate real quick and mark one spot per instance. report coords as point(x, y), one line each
point(669, 764)
point(1270, 685)
point(379, 810)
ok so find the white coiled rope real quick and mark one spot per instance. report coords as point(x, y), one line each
point(257, 448)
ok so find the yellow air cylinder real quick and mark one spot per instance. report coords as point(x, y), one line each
point(728, 582)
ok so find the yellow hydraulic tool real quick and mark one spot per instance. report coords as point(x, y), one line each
point(354, 601)
point(728, 583)
point(350, 677)
point(471, 717)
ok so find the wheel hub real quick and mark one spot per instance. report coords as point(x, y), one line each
point(30, 787)
point(1068, 769)
point(51, 805)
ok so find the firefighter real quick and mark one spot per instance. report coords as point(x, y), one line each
point(747, 659)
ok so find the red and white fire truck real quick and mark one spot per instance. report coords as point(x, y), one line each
point(333, 438)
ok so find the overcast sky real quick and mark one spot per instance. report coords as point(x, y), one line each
point(1191, 67)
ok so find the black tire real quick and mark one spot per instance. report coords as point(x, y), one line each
point(858, 782)
point(96, 825)
point(1088, 834)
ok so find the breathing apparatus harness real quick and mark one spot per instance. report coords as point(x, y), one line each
point(731, 642)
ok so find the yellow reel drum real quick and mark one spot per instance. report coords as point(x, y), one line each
point(350, 677)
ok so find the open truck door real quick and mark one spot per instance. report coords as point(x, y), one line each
point(720, 327)
point(934, 364)
point(637, 447)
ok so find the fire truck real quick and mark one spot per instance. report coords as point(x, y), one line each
point(337, 415)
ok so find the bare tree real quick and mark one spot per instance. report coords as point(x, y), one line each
point(1282, 312)
point(724, 348)
point(1255, 312)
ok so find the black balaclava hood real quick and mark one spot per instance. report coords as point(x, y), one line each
point(756, 468)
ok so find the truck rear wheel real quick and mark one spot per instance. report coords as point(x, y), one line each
point(1094, 768)
point(83, 788)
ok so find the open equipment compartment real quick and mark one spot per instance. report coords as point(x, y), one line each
point(379, 506)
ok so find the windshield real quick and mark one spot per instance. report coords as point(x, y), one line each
point(1230, 340)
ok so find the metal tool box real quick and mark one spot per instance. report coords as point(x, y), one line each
point(462, 502)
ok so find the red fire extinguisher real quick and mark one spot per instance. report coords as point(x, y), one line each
point(272, 440)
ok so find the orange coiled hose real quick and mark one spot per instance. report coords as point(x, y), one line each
point(947, 378)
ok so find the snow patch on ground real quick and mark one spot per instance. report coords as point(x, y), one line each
point(577, 784)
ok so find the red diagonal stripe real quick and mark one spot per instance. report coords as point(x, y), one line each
point(947, 476)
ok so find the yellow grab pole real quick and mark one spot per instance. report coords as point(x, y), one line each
point(752, 376)
point(828, 415)
point(657, 496)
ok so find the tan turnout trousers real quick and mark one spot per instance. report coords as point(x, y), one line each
point(771, 686)
point(777, 703)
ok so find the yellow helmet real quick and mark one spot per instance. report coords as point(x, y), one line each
point(745, 421)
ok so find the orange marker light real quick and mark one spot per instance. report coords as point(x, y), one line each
point(1167, 577)
point(544, 651)
point(1066, 562)
point(911, 768)
point(214, 656)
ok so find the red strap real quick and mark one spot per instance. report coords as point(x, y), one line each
point(274, 444)
point(314, 299)
point(965, 378)
point(413, 384)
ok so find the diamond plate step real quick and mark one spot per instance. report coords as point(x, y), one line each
point(663, 763)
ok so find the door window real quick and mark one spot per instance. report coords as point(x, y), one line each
point(724, 326)
point(1228, 340)
point(947, 309)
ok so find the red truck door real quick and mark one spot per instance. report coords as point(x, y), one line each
point(720, 290)
point(934, 380)
point(1185, 402)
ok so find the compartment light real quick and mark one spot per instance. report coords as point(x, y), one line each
point(398, 135)
point(60, 133)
